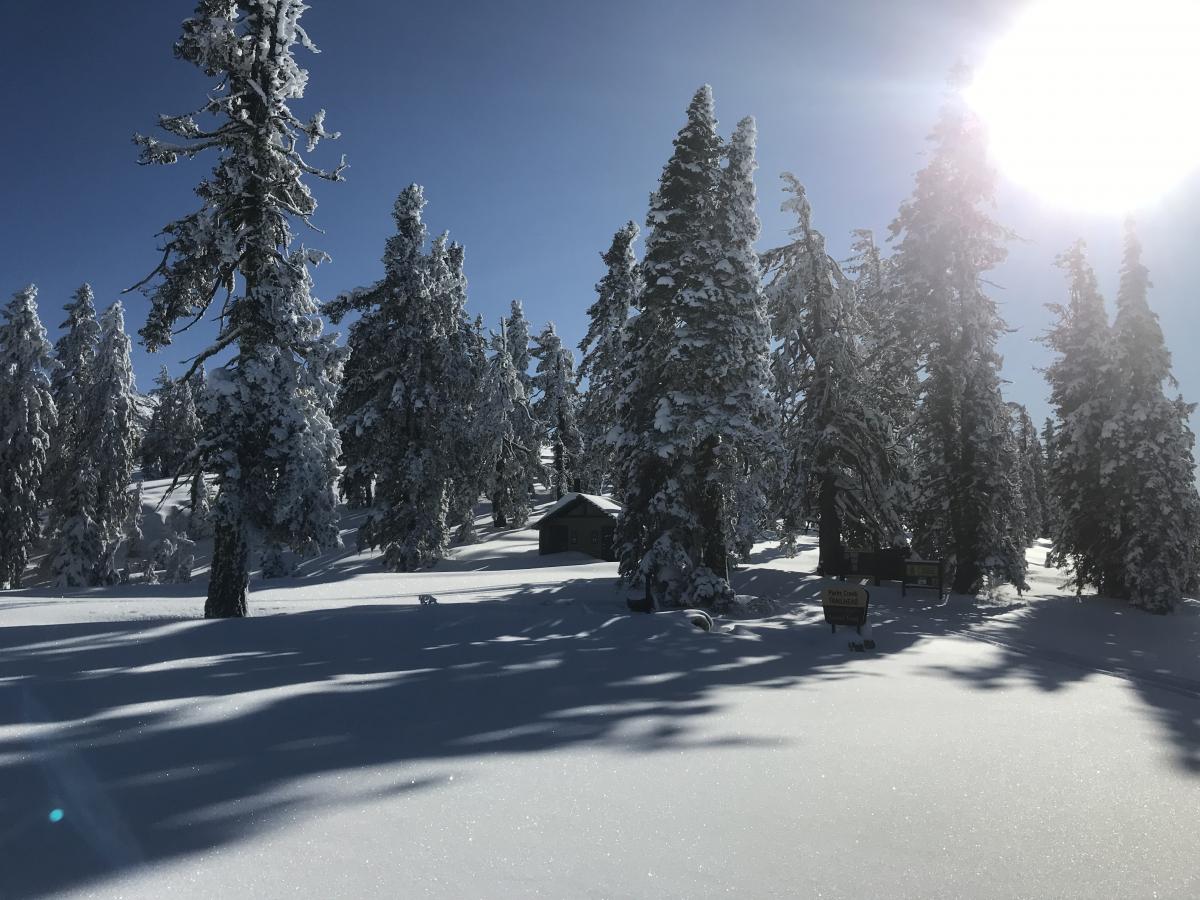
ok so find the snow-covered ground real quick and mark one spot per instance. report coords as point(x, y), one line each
point(527, 736)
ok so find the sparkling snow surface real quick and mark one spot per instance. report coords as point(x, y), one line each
point(527, 736)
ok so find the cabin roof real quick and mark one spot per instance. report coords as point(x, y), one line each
point(602, 505)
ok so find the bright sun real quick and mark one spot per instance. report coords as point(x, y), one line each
point(1095, 104)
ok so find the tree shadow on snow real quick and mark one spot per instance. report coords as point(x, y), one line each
point(1056, 642)
point(158, 739)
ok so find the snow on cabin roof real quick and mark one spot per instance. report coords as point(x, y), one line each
point(603, 503)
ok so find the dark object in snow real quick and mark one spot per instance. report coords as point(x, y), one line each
point(427, 600)
point(699, 618)
point(892, 564)
point(923, 573)
point(855, 646)
point(885, 565)
point(869, 644)
point(640, 604)
point(582, 522)
point(845, 606)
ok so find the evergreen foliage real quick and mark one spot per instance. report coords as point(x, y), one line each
point(516, 336)
point(169, 446)
point(556, 408)
point(1152, 460)
point(603, 356)
point(965, 499)
point(650, 450)
point(471, 447)
point(1051, 508)
point(1083, 383)
point(840, 459)
point(27, 420)
point(89, 525)
point(268, 436)
point(112, 447)
point(75, 354)
point(1030, 474)
point(510, 437)
point(693, 411)
point(405, 404)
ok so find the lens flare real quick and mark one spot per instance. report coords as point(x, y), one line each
point(1095, 104)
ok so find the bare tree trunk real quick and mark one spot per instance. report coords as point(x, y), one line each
point(712, 508)
point(228, 582)
point(829, 529)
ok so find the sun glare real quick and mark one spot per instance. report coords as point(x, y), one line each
point(1095, 104)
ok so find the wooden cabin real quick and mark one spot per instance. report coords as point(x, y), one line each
point(584, 523)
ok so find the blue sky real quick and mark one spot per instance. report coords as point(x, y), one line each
point(537, 129)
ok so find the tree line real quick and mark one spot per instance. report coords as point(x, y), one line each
point(723, 395)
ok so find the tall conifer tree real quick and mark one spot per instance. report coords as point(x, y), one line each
point(402, 413)
point(1154, 474)
point(75, 354)
point(694, 410)
point(965, 500)
point(556, 407)
point(839, 457)
point(1083, 382)
point(603, 355)
point(112, 445)
point(651, 443)
point(271, 439)
point(512, 436)
point(27, 419)
point(516, 336)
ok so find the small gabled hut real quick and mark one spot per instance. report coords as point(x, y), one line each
point(582, 522)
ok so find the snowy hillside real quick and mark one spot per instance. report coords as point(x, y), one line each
point(528, 736)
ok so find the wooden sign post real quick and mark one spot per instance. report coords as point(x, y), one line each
point(923, 573)
point(845, 606)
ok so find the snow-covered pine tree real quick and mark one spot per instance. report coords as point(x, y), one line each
point(1153, 465)
point(273, 446)
point(181, 560)
point(516, 335)
point(965, 500)
point(89, 529)
point(169, 446)
point(355, 393)
point(75, 353)
point(694, 408)
point(1051, 517)
point(1083, 382)
point(651, 443)
point(557, 407)
point(156, 442)
point(511, 436)
point(603, 356)
point(111, 445)
point(723, 344)
point(1029, 472)
point(69, 483)
point(517, 340)
point(402, 412)
point(887, 338)
point(27, 420)
point(474, 465)
point(467, 346)
point(199, 506)
point(839, 468)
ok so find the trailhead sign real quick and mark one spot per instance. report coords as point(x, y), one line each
point(845, 606)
